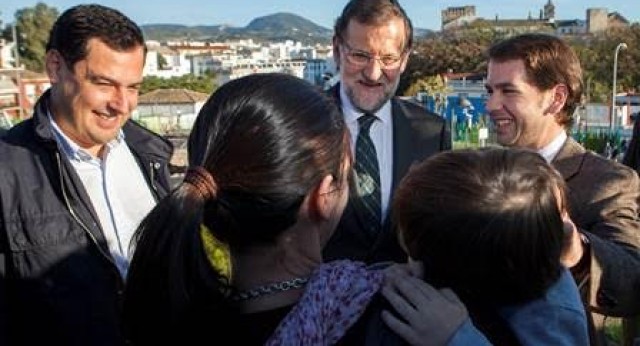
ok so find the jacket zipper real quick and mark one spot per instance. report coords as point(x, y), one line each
point(152, 176)
point(153, 166)
point(75, 216)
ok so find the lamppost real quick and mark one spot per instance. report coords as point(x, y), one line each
point(14, 34)
point(620, 45)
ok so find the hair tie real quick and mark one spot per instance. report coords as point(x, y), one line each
point(203, 181)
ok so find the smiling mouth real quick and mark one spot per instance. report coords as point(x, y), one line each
point(503, 122)
point(370, 84)
point(107, 116)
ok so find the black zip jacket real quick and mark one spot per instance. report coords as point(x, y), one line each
point(58, 282)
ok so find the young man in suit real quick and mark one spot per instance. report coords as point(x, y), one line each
point(534, 83)
point(371, 46)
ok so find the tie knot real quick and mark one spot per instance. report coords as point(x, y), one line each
point(365, 122)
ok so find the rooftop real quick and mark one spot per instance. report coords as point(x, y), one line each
point(172, 96)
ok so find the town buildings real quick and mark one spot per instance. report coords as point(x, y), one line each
point(596, 20)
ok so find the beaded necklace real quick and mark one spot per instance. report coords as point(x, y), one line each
point(275, 287)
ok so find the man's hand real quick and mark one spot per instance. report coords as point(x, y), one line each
point(573, 249)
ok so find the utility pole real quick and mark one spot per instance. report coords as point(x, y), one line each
point(15, 46)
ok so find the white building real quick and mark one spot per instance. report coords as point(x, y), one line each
point(7, 59)
point(169, 110)
point(571, 27)
point(317, 71)
point(165, 62)
point(289, 66)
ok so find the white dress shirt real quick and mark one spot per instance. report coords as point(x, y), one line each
point(552, 149)
point(117, 188)
point(381, 133)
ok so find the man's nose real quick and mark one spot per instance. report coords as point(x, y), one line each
point(492, 102)
point(120, 101)
point(373, 70)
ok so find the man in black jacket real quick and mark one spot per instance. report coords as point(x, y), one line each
point(75, 182)
point(371, 46)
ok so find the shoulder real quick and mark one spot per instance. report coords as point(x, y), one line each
point(370, 329)
point(558, 318)
point(607, 170)
point(19, 131)
point(19, 140)
point(22, 154)
point(414, 111)
point(144, 141)
point(579, 165)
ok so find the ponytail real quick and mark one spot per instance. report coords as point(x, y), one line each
point(170, 277)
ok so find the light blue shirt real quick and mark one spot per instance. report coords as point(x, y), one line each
point(381, 133)
point(117, 188)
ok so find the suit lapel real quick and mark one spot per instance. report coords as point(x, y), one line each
point(402, 143)
point(569, 159)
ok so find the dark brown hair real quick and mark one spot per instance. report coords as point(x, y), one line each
point(374, 12)
point(77, 25)
point(485, 223)
point(548, 61)
point(266, 140)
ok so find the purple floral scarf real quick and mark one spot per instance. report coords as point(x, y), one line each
point(335, 297)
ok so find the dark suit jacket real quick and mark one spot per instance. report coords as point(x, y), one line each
point(417, 134)
point(604, 198)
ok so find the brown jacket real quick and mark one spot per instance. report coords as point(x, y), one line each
point(604, 199)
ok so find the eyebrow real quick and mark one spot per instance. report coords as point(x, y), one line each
point(91, 75)
point(358, 50)
point(500, 85)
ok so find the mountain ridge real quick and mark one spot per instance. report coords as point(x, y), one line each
point(274, 27)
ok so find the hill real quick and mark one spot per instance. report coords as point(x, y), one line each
point(275, 27)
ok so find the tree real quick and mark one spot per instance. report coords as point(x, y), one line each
point(5, 30)
point(431, 85)
point(597, 55)
point(456, 51)
point(204, 84)
point(33, 25)
point(162, 62)
point(464, 51)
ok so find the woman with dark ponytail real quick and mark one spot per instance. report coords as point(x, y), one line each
point(237, 245)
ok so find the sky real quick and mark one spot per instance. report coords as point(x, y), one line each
point(424, 13)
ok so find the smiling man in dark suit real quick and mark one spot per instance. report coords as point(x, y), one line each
point(371, 46)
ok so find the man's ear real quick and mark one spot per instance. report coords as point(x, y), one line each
point(322, 199)
point(405, 61)
point(336, 52)
point(559, 95)
point(54, 63)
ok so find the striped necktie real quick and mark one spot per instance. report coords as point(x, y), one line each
point(367, 177)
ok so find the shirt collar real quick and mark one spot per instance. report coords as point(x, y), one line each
point(72, 149)
point(351, 114)
point(552, 149)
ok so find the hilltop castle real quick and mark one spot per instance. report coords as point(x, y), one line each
point(596, 20)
